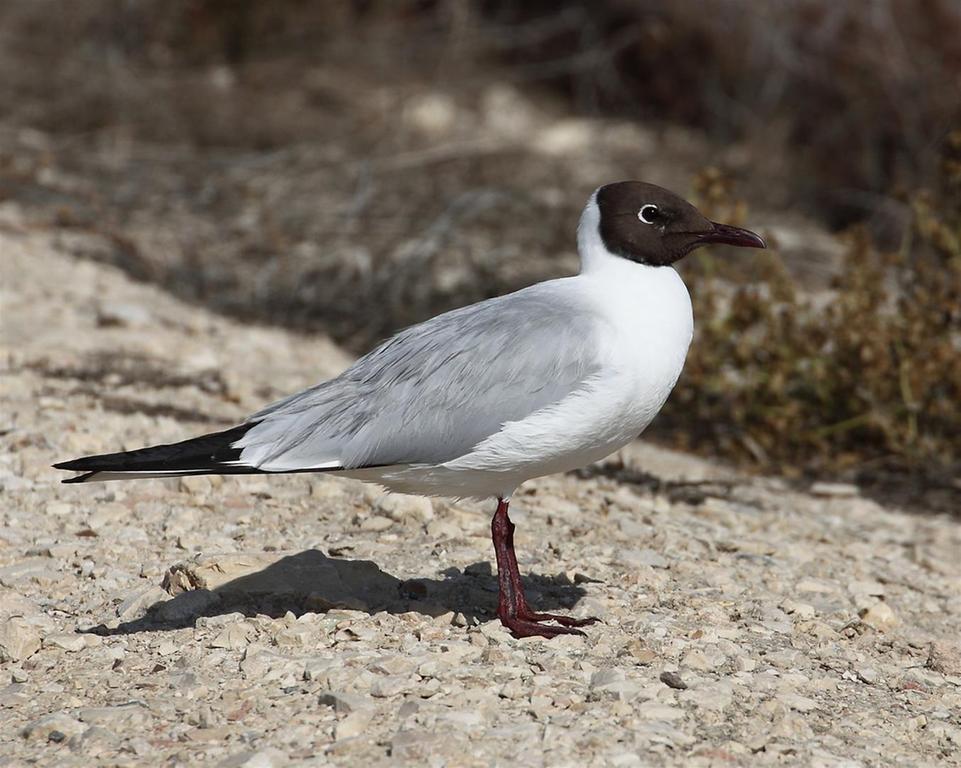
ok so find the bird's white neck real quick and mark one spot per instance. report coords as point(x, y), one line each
point(627, 290)
point(590, 247)
point(595, 256)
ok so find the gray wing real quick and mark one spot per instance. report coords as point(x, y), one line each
point(435, 390)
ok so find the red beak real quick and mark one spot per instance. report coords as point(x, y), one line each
point(725, 234)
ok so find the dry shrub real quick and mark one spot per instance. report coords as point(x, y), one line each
point(867, 374)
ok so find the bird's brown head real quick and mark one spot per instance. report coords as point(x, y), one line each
point(651, 225)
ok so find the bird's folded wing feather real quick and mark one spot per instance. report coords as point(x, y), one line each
point(433, 391)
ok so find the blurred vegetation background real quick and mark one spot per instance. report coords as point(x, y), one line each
point(353, 166)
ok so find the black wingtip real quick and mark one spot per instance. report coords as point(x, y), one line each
point(78, 479)
point(213, 452)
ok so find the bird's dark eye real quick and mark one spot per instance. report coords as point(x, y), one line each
point(649, 213)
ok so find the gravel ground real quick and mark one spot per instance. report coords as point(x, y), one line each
point(311, 621)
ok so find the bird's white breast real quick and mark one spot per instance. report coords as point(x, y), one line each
point(648, 324)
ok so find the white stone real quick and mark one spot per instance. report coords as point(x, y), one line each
point(867, 675)
point(404, 508)
point(18, 640)
point(652, 710)
point(797, 701)
point(262, 758)
point(233, 637)
point(67, 642)
point(881, 617)
point(343, 702)
point(56, 727)
point(389, 685)
point(139, 600)
point(354, 724)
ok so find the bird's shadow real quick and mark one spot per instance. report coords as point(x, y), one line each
point(311, 581)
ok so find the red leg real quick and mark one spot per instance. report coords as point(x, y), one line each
point(512, 608)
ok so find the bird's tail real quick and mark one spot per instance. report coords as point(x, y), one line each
point(212, 454)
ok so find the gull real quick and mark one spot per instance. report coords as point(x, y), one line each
point(476, 401)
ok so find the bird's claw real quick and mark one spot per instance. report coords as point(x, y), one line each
point(530, 624)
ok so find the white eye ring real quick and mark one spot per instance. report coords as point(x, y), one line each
point(647, 213)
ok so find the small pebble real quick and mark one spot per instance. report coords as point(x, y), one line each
point(673, 680)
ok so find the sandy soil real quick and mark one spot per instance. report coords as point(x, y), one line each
point(302, 621)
